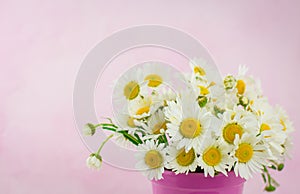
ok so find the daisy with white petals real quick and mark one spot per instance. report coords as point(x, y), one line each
point(151, 159)
point(180, 160)
point(189, 123)
point(128, 86)
point(214, 156)
point(250, 156)
point(156, 124)
point(141, 107)
point(237, 122)
point(154, 75)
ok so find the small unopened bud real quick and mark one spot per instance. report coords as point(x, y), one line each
point(89, 129)
point(280, 167)
point(243, 101)
point(94, 161)
point(202, 101)
point(229, 82)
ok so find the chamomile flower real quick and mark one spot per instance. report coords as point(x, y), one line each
point(180, 160)
point(151, 159)
point(142, 107)
point(249, 155)
point(156, 123)
point(188, 123)
point(155, 74)
point(128, 86)
point(272, 133)
point(287, 145)
point(198, 66)
point(214, 157)
point(237, 122)
point(287, 125)
point(202, 88)
point(247, 86)
point(126, 122)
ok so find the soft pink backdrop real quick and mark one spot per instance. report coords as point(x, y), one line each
point(43, 43)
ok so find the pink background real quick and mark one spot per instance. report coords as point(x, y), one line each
point(43, 43)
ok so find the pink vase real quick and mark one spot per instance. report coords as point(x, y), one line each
point(196, 183)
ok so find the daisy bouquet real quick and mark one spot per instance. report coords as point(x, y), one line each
point(205, 126)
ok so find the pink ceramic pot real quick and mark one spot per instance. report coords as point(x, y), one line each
point(196, 183)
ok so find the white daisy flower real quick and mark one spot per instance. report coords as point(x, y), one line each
point(188, 123)
point(94, 161)
point(156, 124)
point(271, 130)
point(142, 107)
point(202, 89)
point(287, 145)
point(250, 155)
point(151, 159)
point(128, 86)
point(198, 66)
point(180, 160)
point(246, 85)
point(214, 157)
point(155, 74)
point(127, 122)
point(287, 125)
point(237, 122)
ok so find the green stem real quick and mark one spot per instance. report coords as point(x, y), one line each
point(165, 139)
point(103, 143)
point(106, 125)
point(129, 137)
point(111, 127)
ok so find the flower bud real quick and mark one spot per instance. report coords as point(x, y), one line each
point(280, 167)
point(94, 161)
point(89, 129)
point(229, 82)
point(202, 101)
point(243, 101)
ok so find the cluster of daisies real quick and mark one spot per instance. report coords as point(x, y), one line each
point(204, 126)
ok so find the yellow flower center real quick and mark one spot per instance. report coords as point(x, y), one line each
point(153, 159)
point(130, 122)
point(186, 158)
point(230, 131)
point(244, 153)
point(264, 127)
point(190, 128)
point(203, 90)
point(212, 156)
point(241, 87)
point(143, 110)
point(154, 80)
point(199, 70)
point(131, 90)
point(156, 129)
point(283, 124)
